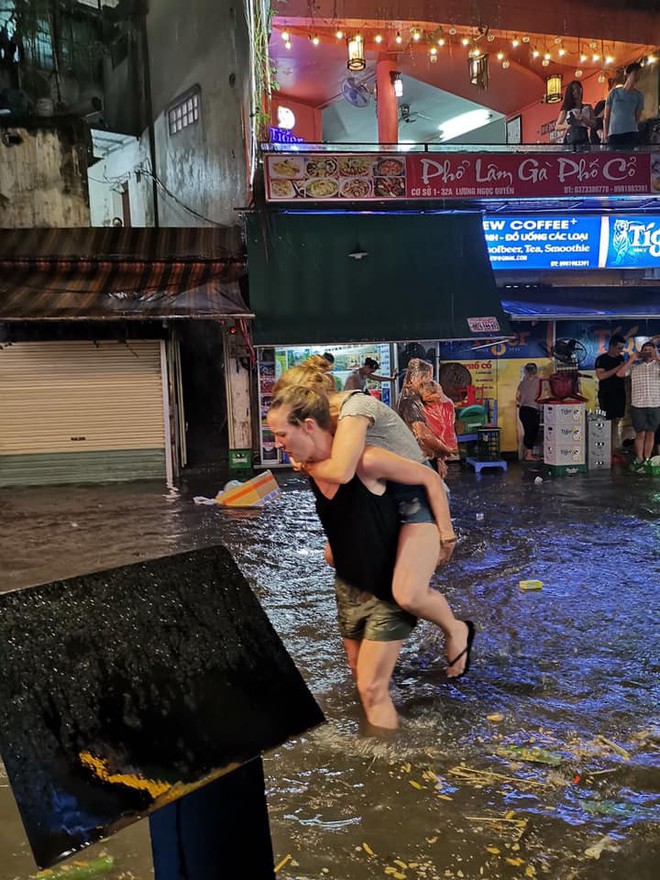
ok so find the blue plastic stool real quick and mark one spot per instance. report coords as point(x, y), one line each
point(478, 465)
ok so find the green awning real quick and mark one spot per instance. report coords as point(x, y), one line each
point(321, 278)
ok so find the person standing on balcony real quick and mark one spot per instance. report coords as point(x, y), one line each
point(623, 111)
point(575, 117)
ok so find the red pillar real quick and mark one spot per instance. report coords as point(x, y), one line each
point(388, 105)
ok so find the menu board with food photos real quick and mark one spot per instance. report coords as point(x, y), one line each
point(435, 175)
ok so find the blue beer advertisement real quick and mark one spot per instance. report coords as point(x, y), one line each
point(524, 242)
point(631, 242)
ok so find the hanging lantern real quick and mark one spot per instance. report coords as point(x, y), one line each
point(356, 54)
point(478, 70)
point(553, 85)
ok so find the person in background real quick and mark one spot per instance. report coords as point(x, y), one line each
point(611, 386)
point(529, 410)
point(575, 117)
point(429, 414)
point(357, 381)
point(596, 133)
point(330, 358)
point(644, 369)
point(623, 111)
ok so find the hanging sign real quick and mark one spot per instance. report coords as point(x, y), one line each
point(412, 176)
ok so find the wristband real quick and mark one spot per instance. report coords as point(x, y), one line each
point(449, 540)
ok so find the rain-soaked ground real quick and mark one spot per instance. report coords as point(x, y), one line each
point(563, 779)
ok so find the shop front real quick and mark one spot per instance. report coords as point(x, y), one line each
point(353, 283)
point(91, 385)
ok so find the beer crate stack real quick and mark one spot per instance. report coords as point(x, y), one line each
point(599, 442)
point(564, 438)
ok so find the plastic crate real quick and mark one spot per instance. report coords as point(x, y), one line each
point(488, 444)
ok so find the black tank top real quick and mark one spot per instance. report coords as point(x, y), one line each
point(363, 532)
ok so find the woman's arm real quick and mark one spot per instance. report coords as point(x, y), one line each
point(379, 464)
point(561, 124)
point(347, 447)
point(376, 378)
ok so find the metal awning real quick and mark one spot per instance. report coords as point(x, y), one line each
point(351, 277)
point(119, 274)
point(582, 303)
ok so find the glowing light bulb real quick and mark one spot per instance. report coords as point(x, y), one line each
point(602, 78)
point(500, 56)
point(506, 64)
point(651, 59)
point(286, 36)
point(378, 38)
point(561, 52)
point(358, 38)
point(578, 73)
point(441, 41)
point(595, 58)
point(546, 62)
point(609, 59)
point(287, 45)
point(535, 53)
point(315, 40)
point(416, 35)
point(339, 35)
point(433, 50)
point(546, 57)
point(465, 41)
point(398, 38)
point(583, 58)
point(525, 39)
point(515, 42)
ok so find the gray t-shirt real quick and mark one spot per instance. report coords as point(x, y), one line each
point(386, 429)
point(624, 105)
point(529, 391)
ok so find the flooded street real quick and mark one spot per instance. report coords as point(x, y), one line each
point(563, 780)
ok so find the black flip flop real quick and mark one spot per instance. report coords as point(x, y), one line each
point(466, 651)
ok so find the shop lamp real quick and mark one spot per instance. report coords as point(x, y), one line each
point(356, 54)
point(397, 82)
point(553, 86)
point(478, 71)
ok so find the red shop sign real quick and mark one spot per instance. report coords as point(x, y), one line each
point(384, 177)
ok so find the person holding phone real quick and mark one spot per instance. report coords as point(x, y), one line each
point(575, 118)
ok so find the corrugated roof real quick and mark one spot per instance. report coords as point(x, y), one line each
point(65, 274)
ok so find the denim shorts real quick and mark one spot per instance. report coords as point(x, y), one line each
point(362, 616)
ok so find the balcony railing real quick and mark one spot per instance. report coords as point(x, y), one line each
point(359, 147)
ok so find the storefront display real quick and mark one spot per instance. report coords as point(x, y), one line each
point(274, 361)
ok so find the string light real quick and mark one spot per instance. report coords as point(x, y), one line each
point(515, 42)
point(287, 44)
point(340, 35)
point(433, 50)
point(545, 62)
point(583, 58)
point(378, 38)
point(398, 38)
point(535, 53)
point(561, 52)
point(315, 40)
point(609, 59)
point(358, 38)
point(506, 64)
point(433, 55)
point(416, 34)
point(441, 41)
point(651, 59)
point(286, 36)
point(602, 78)
point(578, 73)
point(595, 58)
point(500, 56)
point(525, 39)
point(465, 41)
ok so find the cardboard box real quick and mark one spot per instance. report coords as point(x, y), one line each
point(252, 493)
point(553, 454)
point(563, 414)
point(564, 434)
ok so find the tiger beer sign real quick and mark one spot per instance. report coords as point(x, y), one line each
point(342, 177)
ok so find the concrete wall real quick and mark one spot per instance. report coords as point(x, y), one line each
point(43, 178)
point(122, 168)
point(200, 43)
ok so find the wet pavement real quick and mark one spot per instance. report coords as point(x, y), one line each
point(563, 780)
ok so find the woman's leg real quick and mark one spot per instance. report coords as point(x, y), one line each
point(352, 648)
point(530, 419)
point(417, 556)
point(375, 664)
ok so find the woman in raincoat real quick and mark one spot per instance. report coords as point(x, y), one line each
point(428, 412)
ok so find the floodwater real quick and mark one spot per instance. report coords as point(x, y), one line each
point(565, 785)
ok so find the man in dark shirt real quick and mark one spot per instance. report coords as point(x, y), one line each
point(611, 388)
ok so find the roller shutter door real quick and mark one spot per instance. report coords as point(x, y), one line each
point(79, 411)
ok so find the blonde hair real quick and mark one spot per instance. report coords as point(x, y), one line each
point(313, 373)
point(304, 403)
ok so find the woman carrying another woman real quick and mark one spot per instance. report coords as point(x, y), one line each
point(372, 625)
point(359, 420)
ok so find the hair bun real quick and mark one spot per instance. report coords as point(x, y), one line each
point(318, 362)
